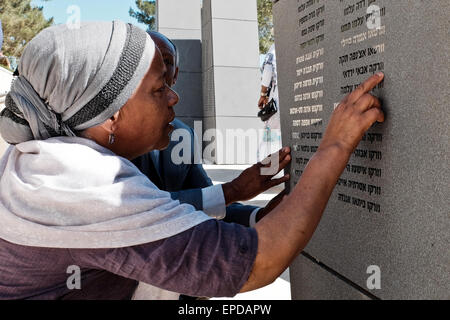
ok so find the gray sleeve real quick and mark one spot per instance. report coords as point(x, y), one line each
point(213, 259)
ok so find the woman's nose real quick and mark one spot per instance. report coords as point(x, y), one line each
point(173, 97)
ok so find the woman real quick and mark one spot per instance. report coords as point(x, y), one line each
point(86, 102)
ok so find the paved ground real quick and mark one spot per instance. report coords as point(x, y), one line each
point(280, 289)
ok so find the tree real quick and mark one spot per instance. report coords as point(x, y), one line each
point(146, 13)
point(265, 25)
point(21, 22)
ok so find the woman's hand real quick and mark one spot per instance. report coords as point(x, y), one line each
point(254, 181)
point(353, 117)
point(285, 231)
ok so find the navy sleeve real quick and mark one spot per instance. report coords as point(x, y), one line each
point(213, 259)
point(239, 213)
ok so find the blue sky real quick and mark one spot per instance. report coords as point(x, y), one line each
point(90, 10)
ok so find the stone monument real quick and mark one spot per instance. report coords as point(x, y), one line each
point(185, 31)
point(386, 231)
point(219, 73)
point(231, 79)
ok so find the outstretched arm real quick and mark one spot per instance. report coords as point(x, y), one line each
point(286, 230)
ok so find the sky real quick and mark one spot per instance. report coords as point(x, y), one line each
point(105, 10)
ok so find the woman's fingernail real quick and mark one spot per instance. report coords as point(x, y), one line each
point(380, 74)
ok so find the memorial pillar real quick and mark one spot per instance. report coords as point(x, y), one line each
point(231, 79)
point(385, 231)
point(180, 21)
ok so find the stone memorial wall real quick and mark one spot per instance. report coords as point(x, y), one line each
point(385, 232)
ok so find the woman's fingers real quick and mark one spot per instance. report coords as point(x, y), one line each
point(371, 116)
point(355, 115)
point(276, 162)
point(365, 87)
point(280, 155)
point(274, 182)
point(284, 162)
point(366, 102)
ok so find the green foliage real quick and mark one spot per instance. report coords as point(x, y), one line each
point(21, 22)
point(146, 13)
point(265, 25)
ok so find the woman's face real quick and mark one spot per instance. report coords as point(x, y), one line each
point(143, 123)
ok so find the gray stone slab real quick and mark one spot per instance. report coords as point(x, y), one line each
point(173, 34)
point(209, 141)
point(230, 66)
point(209, 98)
point(391, 206)
point(207, 47)
point(169, 14)
point(235, 43)
point(238, 139)
point(189, 88)
point(206, 12)
point(312, 282)
point(190, 55)
point(237, 91)
point(234, 9)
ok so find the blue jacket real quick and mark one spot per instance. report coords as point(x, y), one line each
point(185, 181)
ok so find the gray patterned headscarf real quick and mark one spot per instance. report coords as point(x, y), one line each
point(74, 79)
point(61, 191)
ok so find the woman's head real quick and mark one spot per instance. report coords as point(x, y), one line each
point(143, 123)
point(76, 79)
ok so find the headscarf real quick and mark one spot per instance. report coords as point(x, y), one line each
point(61, 191)
point(72, 79)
